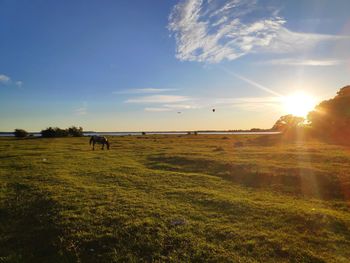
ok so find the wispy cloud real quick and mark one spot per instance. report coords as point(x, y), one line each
point(182, 106)
point(173, 107)
point(211, 31)
point(159, 109)
point(142, 91)
point(243, 103)
point(250, 103)
point(83, 110)
point(19, 83)
point(304, 62)
point(158, 99)
point(4, 79)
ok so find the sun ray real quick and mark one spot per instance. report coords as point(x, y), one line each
point(251, 82)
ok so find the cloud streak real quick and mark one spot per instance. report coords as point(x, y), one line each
point(158, 99)
point(159, 109)
point(142, 91)
point(81, 111)
point(243, 103)
point(172, 103)
point(212, 31)
point(304, 62)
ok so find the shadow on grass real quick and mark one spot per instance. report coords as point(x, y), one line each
point(297, 181)
point(148, 242)
point(28, 226)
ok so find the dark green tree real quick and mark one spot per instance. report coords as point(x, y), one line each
point(75, 131)
point(20, 133)
point(54, 132)
point(331, 118)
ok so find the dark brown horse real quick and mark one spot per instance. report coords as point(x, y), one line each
point(99, 140)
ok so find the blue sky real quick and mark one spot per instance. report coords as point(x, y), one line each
point(133, 65)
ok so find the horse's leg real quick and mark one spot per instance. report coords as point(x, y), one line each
point(103, 146)
point(93, 145)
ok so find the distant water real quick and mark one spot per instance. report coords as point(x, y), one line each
point(36, 134)
point(10, 134)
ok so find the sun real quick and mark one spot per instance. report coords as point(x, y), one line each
point(299, 104)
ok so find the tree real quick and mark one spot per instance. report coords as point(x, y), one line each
point(288, 123)
point(54, 132)
point(75, 131)
point(331, 118)
point(20, 133)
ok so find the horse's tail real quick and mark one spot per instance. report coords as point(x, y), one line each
point(107, 143)
point(91, 139)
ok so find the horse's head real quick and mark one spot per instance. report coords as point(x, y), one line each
point(107, 143)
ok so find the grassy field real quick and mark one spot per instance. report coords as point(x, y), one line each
point(202, 198)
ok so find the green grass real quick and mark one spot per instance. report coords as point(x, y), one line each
point(174, 199)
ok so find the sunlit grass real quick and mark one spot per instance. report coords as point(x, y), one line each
point(174, 198)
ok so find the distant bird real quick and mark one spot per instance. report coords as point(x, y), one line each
point(178, 112)
point(213, 110)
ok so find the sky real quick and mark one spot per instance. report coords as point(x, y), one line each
point(164, 65)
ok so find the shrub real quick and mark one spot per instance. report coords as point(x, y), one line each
point(20, 133)
point(57, 132)
point(75, 131)
point(54, 132)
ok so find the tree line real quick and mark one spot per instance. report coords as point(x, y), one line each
point(52, 132)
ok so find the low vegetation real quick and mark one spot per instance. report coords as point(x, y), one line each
point(20, 133)
point(204, 198)
point(58, 132)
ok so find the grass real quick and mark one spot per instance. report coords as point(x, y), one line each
point(202, 198)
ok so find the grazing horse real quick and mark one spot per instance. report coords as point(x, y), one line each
point(100, 140)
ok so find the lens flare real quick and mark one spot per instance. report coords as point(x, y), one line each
point(299, 104)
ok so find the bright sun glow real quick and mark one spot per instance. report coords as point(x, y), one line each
point(299, 104)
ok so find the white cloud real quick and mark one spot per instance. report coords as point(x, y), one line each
point(142, 91)
point(211, 31)
point(158, 99)
point(173, 107)
point(4, 79)
point(160, 109)
point(304, 62)
point(181, 106)
point(19, 83)
point(81, 111)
